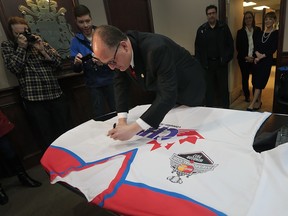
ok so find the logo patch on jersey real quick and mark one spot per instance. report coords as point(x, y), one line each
point(168, 135)
point(189, 164)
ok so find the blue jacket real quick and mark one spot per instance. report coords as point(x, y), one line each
point(95, 76)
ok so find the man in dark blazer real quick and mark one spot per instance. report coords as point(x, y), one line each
point(158, 64)
point(214, 48)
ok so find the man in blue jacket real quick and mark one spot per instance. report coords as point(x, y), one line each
point(98, 78)
point(214, 49)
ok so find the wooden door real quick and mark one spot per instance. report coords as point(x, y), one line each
point(130, 14)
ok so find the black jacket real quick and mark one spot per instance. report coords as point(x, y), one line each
point(242, 42)
point(224, 41)
point(164, 67)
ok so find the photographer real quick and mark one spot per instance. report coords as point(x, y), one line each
point(98, 78)
point(34, 63)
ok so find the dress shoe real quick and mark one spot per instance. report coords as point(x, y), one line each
point(3, 196)
point(257, 108)
point(27, 180)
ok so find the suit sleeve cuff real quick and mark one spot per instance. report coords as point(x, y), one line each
point(142, 124)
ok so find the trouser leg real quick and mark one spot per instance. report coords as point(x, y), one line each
point(108, 92)
point(97, 102)
point(210, 77)
point(245, 71)
point(222, 85)
point(60, 113)
point(9, 155)
point(41, 119)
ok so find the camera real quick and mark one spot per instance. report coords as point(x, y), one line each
point(30, 37)
point(86, 58)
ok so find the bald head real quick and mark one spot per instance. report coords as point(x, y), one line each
point(110, 35)
point(111, 45)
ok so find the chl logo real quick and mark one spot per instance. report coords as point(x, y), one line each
point(168, 136)
point(189, 164)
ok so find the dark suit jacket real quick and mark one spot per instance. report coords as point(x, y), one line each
point(242, 42)
point(162, 66)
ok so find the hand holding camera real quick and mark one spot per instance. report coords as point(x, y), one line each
point(31, 38)
point(87, 58)
point(79, 58)
point(26, 38)
point(22, 41)
point(38, 44)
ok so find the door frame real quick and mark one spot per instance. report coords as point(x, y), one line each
point(281, 57)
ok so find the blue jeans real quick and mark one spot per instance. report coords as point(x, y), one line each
point(100, 96)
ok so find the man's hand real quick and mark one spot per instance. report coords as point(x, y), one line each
point(124, 131)
point(78, 58)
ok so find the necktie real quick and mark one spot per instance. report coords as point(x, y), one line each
point(132, 72)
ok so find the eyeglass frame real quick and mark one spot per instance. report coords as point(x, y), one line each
point(111, 62)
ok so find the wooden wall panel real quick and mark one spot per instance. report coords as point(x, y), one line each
point(130, 15)
point(24, 139)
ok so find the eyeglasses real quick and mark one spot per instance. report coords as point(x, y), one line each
point(111, 62)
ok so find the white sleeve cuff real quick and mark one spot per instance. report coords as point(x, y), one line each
point(122, 115)
point(142, 124)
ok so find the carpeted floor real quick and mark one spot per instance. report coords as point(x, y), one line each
point(47, 200)
point(267, 96)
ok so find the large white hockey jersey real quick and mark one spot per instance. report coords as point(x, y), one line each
point(200, 161)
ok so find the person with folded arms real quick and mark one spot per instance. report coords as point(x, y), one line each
point(265, 46)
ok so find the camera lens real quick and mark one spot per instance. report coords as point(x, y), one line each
point(30, 37)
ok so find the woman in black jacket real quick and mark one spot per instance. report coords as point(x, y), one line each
point(265, 46)
point(245, 46)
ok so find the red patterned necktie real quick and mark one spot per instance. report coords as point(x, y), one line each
point(132, 72)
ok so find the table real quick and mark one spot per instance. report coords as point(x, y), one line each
point(199, 160)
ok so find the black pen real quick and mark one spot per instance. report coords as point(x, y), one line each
point(114, 125)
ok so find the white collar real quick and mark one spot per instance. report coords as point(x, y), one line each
point(132, 59)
